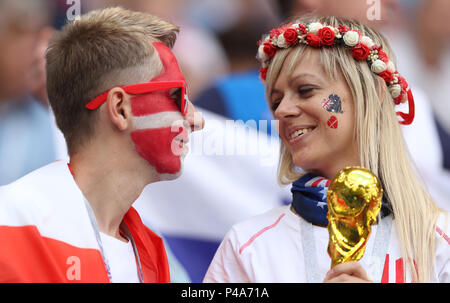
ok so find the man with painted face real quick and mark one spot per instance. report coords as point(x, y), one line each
point(121, 102)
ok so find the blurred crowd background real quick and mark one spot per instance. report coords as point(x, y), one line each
point(216, 48)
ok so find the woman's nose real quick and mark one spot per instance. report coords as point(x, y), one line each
point(287, 108)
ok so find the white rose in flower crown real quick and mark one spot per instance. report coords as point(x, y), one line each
point(281, 42)
point(367, 41)
point(351, 38)
point(315, 27)
point(391, 66)
point(378, 66)
point(395, 90)
point(261, 54)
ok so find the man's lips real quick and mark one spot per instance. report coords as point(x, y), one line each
point(183, 136)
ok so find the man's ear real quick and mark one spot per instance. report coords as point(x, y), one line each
point(119, 108)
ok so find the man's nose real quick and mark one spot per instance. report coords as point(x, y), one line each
point(194, 118)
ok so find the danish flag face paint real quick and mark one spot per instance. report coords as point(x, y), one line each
point(161, 129)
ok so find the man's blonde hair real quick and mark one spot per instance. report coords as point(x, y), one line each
point(105, 48)
point(380, 142)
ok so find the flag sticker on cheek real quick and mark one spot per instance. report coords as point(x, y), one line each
point(333, 122)
point(333, 104)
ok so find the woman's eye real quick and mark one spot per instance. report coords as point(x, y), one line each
point(305, 90)
point(275, 105)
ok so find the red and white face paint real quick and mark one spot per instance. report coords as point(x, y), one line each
point(158, 108)
point(161, 130)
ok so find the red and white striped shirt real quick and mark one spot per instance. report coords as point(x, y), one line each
point(46, 234)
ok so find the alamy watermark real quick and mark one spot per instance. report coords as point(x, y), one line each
point(374, 10)
point(234, 138)
point(74, 11)
point(73, 272)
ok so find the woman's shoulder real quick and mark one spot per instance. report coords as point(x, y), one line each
point(262, 220)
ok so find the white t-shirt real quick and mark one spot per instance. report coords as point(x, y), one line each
point(268, 248)
point(121, 259)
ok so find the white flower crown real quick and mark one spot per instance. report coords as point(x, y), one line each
point(362, 47)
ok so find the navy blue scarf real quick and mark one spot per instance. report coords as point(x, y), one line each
point(309, 199)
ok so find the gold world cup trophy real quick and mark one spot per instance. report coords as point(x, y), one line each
point(354, 201)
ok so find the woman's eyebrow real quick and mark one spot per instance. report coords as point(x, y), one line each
point(303, 75)
point(294, 78)
point(275, 91)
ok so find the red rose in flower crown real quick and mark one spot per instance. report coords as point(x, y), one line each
point(404, 86)
point(382, 56)
point(302, 29)
point(403, 83)
point(274, 32)
point(399, 99)
point(327, 35)
point(360, 52)
point(263, 72)
point(343, 29)
point(313, 40)
point(269, 49)
point(387, 76)
point(290, 36)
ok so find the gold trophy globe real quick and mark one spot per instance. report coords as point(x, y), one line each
point(354, 201)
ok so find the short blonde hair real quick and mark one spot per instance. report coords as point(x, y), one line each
point(380, 142)
point(105, 48)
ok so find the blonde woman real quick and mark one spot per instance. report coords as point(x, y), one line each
point(333, 86)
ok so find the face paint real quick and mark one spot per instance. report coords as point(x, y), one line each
point(157, 147)
point(333, 104)
point(333, 122)
point(154, 114)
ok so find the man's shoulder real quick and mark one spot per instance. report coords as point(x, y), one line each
point(32, 182)
point(49, 201)
point(33, 192)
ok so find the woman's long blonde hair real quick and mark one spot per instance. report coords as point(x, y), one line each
point(381, 146)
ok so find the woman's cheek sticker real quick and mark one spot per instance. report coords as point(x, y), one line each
point(333, 122)
point(333, 104)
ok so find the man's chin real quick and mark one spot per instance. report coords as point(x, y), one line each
point(173, 176)
point(172, 171)
point(169, 177)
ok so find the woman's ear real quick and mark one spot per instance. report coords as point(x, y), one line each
point(119, 108)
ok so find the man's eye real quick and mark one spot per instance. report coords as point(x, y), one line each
point(175, 94)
